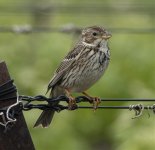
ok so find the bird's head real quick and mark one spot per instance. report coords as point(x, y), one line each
point(94, 35)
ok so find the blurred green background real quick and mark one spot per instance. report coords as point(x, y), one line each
point(32, 59)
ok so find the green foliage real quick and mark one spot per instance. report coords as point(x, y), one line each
point(32, 59)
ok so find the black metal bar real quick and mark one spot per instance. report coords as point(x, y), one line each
point(112, 107)
point(61, 107)
point(84, 99)
point(128, 99)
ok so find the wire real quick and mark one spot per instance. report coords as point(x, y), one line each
point(26, 103)
point(29, 100)
point(85, 8)
point(70, 28)
point(6, 113)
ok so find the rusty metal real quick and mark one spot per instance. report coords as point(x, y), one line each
point(16, 136)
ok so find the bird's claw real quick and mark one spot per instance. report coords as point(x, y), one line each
point(96, 101)
point(72, 104)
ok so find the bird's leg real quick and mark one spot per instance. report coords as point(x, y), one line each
point(95, 100)
point(72, 102)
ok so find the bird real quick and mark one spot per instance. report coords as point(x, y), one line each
point(82, 67)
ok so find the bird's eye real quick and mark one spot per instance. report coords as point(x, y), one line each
point(94, 33)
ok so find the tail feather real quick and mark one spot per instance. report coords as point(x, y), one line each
point(45, 118)
point(47, 115)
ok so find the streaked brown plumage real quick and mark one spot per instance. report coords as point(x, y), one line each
point(80, 69)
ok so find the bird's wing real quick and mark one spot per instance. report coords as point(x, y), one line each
point(65, 65)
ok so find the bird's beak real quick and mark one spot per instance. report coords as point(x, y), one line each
point(106, 36)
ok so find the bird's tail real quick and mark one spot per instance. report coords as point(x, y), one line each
point(47, 115)
point(45, 118)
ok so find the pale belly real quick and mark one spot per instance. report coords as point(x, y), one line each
point(83, 77)
point(86, 79)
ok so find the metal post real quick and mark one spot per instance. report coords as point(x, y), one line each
point(18, 136)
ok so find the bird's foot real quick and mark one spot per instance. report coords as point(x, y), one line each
point(72, 103)
point(96, 101)
point(93, 100)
